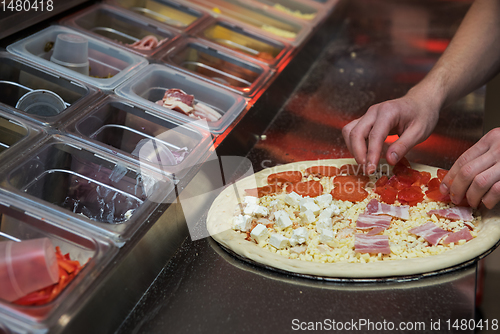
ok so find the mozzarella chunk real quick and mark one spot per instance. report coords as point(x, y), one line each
point(242, 223)
point(278, 241)
point(325, 236)
point(326, 223)
point(326, 214)
point(324, 200)
point(308, 204)
point(299, 236)
point(293, 198)
point(308, 217)
point(282, 219)
point(251, 200)
point(335, 209)
point(255, 210)
point(259, 233)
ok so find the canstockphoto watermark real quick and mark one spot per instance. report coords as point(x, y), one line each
point(360, 325)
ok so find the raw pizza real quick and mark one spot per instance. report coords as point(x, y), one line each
point(326, 218)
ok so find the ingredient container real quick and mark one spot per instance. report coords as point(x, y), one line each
point(122, 28)
point(245, 41)
point(122, 127)
point(150, 86)
point(19, 77)
point(108, 65)
point(220, 67)
point(20, 223)
point(95, 191)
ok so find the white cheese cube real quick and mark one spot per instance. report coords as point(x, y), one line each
point(259, 233)
point(251, 200)
point(282, 219)
point(324, 200)
point(308, 217)
point(299, 236)
point(293, 198)
point(335, 209)
point(326, 214)
point(309, 205)
point(278, 241)
point(255, 210)
point(242, 223)
point(325, 236)
point(324, 224)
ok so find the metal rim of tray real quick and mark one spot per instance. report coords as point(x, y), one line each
point(405, 278)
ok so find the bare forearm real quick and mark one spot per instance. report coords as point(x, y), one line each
point(471, 59)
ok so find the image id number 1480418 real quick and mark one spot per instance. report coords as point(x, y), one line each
point(27, 5)
point(471, 324)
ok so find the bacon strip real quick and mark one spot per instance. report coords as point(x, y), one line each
point(374, 207)
point(371, 244)
point(375, 230)
point(367, 221)
point(430, 232)
point(456, 213)
point(454, 237)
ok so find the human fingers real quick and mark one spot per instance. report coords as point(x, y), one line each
point(359, 134)
point(479, 149)
point(492, 197)
point(376, 138)
point(346, 130)
point(413, 135)
point(483, 186)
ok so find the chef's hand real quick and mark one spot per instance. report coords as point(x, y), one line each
point(412, 117)
point(476, 174)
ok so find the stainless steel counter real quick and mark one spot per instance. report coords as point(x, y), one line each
point(375, 50)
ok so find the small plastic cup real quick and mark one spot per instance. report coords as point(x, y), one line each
point(26, 266)
point(72, 51)
point(41, 102)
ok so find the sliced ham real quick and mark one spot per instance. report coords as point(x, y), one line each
point(147, 43)
point(374, 207)
point(373, 244)
point(455, 237)
point(430, 232)
point(375, 231)
point(456, 213)
point(367, 221)
point(178, 100)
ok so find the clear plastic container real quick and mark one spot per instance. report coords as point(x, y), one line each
point(172, 13)
point(245, 41)
point(150, 86)
point(121, 127)
point(94, 190)
point(20, 222)
point(268, 23)
point(121, 28)
point(108, 65)
point(17, 137)
point(19, 77)
point(71, 51)
point(218, 66)
point(13, 133)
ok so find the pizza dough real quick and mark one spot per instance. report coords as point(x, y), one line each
point(219, 223)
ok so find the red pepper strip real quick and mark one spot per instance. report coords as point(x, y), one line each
point(68, 267)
